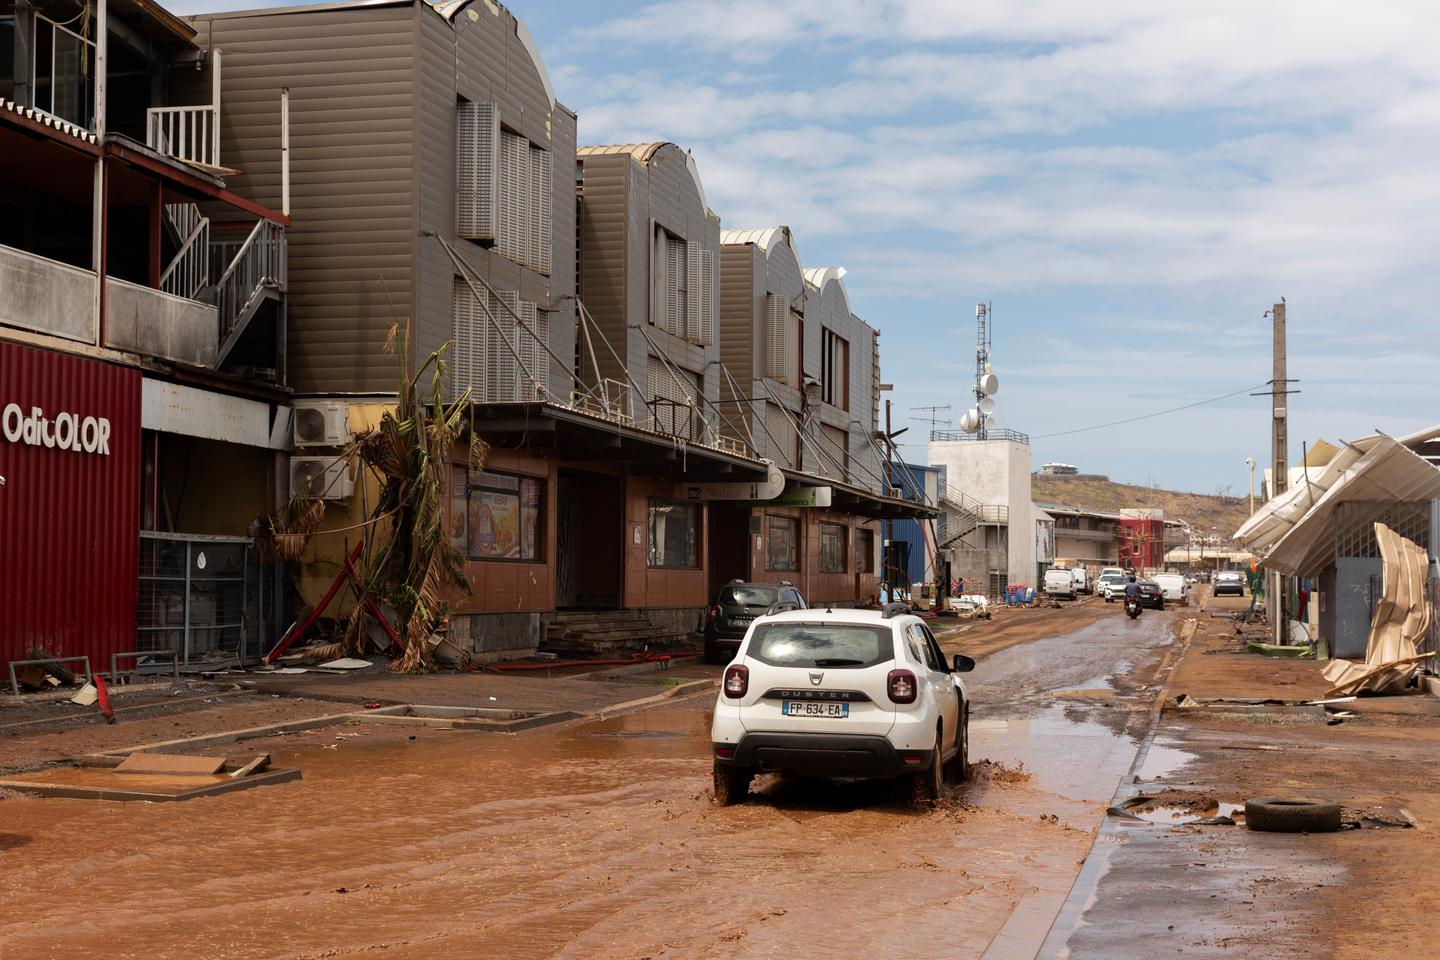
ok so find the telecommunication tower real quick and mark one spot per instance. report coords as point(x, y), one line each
point(978, 418)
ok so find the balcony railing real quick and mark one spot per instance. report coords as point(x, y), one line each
point(992, 433)
point(191, 134)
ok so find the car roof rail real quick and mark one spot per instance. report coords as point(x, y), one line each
point(784, 606)
point(895, 608)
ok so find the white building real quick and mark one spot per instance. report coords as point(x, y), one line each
point(994, 532)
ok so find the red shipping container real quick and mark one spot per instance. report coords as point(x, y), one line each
point(69, 506)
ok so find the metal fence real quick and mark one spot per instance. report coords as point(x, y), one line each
point(208, 599)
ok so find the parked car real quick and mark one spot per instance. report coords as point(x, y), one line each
point(1112, 585)
point(736, 606)
point(1082, 580)
point(1059, 583)
point(1229, 581)
point(842, 693)
point(1151, 595)
point(1174, 586)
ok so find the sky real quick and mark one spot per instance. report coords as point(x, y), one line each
point(1130, 184)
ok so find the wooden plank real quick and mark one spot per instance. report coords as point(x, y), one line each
point(169, 763)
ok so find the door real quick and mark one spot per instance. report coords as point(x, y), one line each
point(589, 541)
point(729, 544)
point(942, 687)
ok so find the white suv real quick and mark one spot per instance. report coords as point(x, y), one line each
point(842, 693)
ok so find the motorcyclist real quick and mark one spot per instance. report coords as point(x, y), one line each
point(1132, 587)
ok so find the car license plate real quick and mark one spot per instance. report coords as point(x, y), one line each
point(803, 708)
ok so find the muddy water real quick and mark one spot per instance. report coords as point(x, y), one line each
point(592, 840)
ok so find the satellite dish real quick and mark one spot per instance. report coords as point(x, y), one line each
point(970, 421)
point(987, 406)
point(989, 384)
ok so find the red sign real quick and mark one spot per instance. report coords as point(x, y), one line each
point(69, 505)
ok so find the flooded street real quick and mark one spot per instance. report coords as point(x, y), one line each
point(598, 838)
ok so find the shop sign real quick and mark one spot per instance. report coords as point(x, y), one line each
point(63, 431)
point(801, 497)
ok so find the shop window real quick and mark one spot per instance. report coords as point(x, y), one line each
point(865, 551)
point(505, 519)
point(834, 540)
point(674, 535)
point(782, 543)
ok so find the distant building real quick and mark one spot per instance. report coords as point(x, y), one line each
point(1084, 538)
point(1059, 470)
point(1141, 536)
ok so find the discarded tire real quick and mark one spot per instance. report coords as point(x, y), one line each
point(1292, 815)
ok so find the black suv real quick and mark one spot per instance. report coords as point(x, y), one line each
point(736, 607)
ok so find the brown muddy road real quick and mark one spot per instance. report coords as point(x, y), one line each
point(598, 839)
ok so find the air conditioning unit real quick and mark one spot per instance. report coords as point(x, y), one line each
point(324, 478)
point(322, 424)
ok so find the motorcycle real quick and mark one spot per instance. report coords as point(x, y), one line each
point(1132, 606)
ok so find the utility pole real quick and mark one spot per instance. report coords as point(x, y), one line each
point(1280, 471)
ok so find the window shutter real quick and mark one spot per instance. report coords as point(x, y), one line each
point(659, 278)
point(781, 436)
point(655, 378)
point(541, 187)
point(514, 171)
point(477, 136)
point(507, 376)
point(468, 343)
point(532, 377)
point(776, 338)
point(707, 298)
point(675, 286)
point(693, 256)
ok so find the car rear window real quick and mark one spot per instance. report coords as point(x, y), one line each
point(821, 645)
point(747, 596)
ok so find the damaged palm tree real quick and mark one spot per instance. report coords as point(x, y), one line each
point(409, 564)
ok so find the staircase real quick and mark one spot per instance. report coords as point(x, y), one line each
point(248, 272)
point(188, 273)
point(603, 633)
point(969, 515)
point(255, 274)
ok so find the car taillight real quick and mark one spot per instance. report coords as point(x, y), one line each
point(714, 612)
point(900, 684)
point(737, 681)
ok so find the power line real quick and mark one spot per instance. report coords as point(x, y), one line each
point(1147, 416)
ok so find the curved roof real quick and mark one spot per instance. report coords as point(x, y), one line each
point(762, 237)
point(645, 152)
point(818, 277)
point(449, 8)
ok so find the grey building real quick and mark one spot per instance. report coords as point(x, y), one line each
point(802, 369)
point(649, 281)
point(419, 134)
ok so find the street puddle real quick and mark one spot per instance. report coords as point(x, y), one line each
point(1069, 757)
point(1179, 815)
point(1160, 762)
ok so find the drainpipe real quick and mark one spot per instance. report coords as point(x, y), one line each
point(97, 194)
point(285, 151)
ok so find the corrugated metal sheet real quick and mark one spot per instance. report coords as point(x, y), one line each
point(1293, 533)
point(69, 520)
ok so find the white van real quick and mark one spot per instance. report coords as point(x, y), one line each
point(1059, 583)
point(1082, 579)
point(1174, 587)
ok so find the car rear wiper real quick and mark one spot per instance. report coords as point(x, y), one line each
point(837, 662)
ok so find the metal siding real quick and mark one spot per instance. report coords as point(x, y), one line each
point(69, 552)
point(353, 98)
point(481, 60)
point(603, 245)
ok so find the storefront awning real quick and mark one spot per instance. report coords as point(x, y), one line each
point(1293, 532)
point(847, 498)
point(568, 435)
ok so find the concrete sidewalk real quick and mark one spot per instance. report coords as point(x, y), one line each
point(1225, 891)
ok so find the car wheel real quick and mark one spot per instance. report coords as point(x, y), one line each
point(732, 784)
point(959, 770)
point(928, 786)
